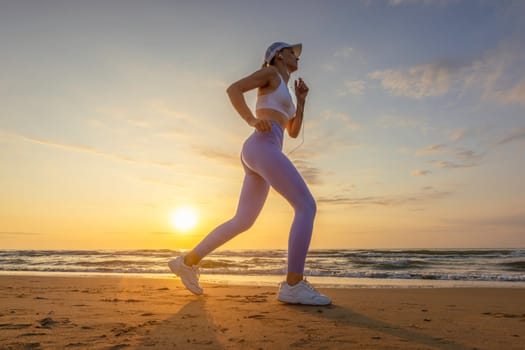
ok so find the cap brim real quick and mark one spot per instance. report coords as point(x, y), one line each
point(297, 49)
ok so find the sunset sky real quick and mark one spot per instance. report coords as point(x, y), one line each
point(113, 114)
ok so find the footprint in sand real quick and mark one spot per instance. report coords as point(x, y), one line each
point(47, 322)
point(30, 335)
point(503, 315)
point(118, 346)
point(14, 326)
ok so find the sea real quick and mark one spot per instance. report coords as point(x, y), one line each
point(337, 268)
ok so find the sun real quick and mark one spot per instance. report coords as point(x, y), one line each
point(184, 218)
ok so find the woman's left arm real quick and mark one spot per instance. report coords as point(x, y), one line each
point(294, 125)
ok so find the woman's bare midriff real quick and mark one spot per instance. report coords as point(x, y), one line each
point(272, 115)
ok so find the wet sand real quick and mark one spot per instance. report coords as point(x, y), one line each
point(44, 312)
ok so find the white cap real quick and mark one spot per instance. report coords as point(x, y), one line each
point(278, 46)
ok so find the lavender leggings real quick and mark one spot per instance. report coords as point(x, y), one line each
point(266, 165)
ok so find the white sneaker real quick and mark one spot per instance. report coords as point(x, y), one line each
point(301, 293)
point(189, 275)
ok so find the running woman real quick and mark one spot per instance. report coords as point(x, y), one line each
point(266, 165)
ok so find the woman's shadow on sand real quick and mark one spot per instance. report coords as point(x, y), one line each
point(190, 328)
point(345, 316)
point(193, 328)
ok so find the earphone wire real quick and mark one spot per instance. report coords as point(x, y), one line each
point(302, 141)
point(302, 130)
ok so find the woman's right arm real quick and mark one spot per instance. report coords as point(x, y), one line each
point(236, 92)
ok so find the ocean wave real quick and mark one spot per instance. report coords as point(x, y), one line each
point(514, 265)
point(218, 264)
point(425, 253)
point(424, 276)
point(390, 264)
point(273, 253)
point(280, 272)
point(108, 263)
point(424, 264)
point(402, 264)
point(15, 261)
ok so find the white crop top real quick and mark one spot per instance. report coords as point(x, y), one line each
point(279, 100)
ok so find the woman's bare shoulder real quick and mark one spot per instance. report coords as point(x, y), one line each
point(263, 78)
point(271, 75)
point(269, 72)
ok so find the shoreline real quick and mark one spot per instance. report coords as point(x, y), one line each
point(274, 280)
point(122, 312)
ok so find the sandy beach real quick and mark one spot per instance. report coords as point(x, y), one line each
point(45, 312)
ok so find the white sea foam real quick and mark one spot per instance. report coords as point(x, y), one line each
point(334, 267)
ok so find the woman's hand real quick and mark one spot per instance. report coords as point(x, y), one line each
point(301, 90)
point(261, 125)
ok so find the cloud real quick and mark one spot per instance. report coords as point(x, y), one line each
point(460, 157)
point(395, 3)
point(515, 135)
point(516, 220)
point(463, 158)
point(320, 139)
point(467, 159)
point(220, 156)
point(328, 67)
point(457, 135)
point(420, 2)
point(390, 121)
point(312, 175)
point(466, 154)
point(344, 52)
point(433, 149)
point(20, 233)
point(416, 82)
point(69, 147)
point(393, 200)
point(445, 164)
point(92, 151)
point(339, 59)
point(498, 74)
point(420, 172)
point(153, 114)
point(342, 118)
point(514, 94)
point(475, 133)
point(139, 123)
point(352, 87)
